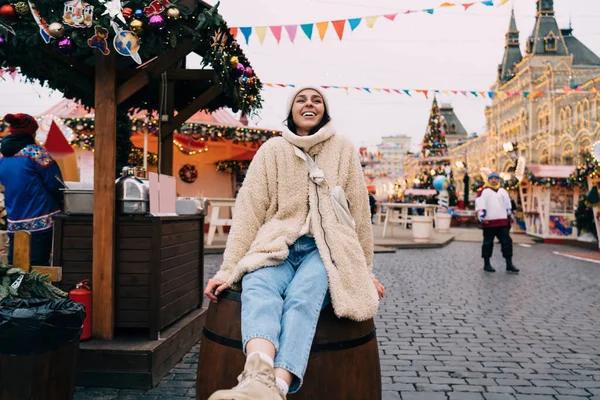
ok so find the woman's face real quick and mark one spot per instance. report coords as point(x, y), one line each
point(307, 111)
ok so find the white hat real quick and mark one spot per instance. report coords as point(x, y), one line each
point(298, 89)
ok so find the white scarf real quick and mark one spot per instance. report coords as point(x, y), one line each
point(307, 142)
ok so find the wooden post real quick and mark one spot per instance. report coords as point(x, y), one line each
point(166, 144)
point(105, 160)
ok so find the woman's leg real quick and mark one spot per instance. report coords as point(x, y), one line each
point(262, 307)
point(302, 306)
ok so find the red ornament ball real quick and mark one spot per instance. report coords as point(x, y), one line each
point(8, 12)
point(248, 72)
point(127, 12)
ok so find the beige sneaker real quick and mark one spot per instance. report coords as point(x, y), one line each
point(257, 382)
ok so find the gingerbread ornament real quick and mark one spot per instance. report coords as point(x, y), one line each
point(98, 41)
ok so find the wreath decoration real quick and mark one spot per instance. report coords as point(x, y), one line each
point(188, 173)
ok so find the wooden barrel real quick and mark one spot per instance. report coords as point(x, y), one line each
point(343, 363)
point(45, 376)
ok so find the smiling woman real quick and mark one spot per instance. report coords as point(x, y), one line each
point(308, 112)
point(293, 252)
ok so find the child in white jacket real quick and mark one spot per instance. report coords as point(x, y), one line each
point(494, 211)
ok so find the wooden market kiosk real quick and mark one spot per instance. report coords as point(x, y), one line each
point(548, 203)
point(129, 257)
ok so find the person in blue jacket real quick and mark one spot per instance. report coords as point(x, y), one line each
point(32, 193)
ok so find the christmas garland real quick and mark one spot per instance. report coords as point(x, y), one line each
point(33, 284)
point(136, 157)
point(232, 167)
point(188, 173)
point(83, 129)
point(42, 37)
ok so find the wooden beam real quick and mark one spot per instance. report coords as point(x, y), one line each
point(22, 250)
point(154, 69)
point(191, 74)
point(166, 146)
point(22, 257)
point(185, 114)
point(54, 272)
point(105, 160)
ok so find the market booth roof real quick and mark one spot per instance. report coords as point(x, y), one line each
point(69, 109)
point(57, 45)
point(208, 150)
point(551, 171)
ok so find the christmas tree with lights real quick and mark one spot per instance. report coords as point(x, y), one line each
point(434, 142)
point(434, 150)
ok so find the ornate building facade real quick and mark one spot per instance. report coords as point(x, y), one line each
point(549, 128)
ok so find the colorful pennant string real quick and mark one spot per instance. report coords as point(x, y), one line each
point(465, 93)
point(340, 24)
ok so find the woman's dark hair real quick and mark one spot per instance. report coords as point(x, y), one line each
point(292, 126)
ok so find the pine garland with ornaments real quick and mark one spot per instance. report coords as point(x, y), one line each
point(38, 35)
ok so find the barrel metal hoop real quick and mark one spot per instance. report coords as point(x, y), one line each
point(316, 348)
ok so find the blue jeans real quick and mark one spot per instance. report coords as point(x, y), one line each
point(282, 305)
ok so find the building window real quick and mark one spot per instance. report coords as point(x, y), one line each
point(544, 156)
point(453, 127)
point(551, 43)
point(567, 155)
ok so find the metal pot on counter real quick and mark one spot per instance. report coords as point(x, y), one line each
point(133, 191)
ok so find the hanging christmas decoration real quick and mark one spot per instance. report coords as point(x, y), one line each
point(248, 72)
point(56, 30)
point(239, 69)
point(99, 40)
point(44, 30)
point(2, 41)
point(173, 13)
point(188, 173)
point(65, 45)
point(127, 43)
point(127, 12)
point(114, 10)
point(136, 25)
point(157, 22)
point(78, 14)
point(156, 7)
point(8, 12)
point(234, 61)
point(21, 8)
point(138, 13)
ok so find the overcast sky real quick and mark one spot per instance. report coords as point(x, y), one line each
point(451, 49)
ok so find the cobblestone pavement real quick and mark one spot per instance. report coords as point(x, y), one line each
point(447, 330)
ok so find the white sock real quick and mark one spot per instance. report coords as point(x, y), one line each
point(282, 385)
point(264, 356)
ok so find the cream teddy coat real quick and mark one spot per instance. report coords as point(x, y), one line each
point(272, 207)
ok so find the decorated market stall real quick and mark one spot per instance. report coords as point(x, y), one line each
point(146, 270)
point(549, 198)
point(209, 150)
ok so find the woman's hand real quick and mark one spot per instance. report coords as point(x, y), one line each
point(215, 286)
point(380, 288)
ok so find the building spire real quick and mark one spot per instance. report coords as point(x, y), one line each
point(512, 51)
point(547, 38)
point(545, 7)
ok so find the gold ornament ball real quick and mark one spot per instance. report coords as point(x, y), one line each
point(173, 13)
point(57, 30)
point(234, 61)
point(136, 26)
point(21, 8)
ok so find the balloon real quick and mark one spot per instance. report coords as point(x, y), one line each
point(440, 183)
